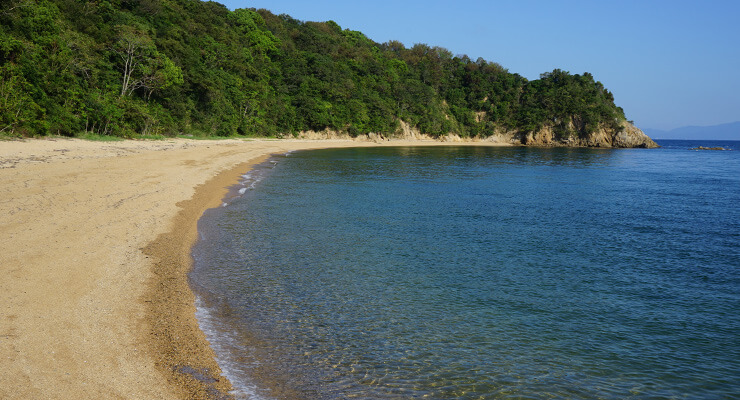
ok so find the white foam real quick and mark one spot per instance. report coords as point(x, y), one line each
point(243, 190)
point(224, 204)
point(220, 341)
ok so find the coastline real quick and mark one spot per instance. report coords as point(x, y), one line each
point(93, 270)
point(181, 349)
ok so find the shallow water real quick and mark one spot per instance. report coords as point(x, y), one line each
point(477, 273)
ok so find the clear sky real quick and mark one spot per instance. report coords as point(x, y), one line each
point(668, 63)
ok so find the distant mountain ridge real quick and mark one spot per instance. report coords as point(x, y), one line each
point(729, 131)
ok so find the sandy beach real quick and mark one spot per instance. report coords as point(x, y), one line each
point(94, 256)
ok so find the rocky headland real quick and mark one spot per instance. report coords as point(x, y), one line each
point(625, 135)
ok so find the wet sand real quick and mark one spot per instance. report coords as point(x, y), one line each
point(95, 250)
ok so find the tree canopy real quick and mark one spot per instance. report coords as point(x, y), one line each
point(169, 67)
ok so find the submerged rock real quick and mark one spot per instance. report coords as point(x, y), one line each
point(708, 148)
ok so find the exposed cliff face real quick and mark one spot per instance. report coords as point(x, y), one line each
point(625, 136)
point(631, 136)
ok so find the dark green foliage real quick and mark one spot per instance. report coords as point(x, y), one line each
point(572, 104)
point(167, 67)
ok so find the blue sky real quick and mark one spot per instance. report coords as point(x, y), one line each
point(668, 63)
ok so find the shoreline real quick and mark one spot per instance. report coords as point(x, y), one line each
point(184, 354)
point(97, 251)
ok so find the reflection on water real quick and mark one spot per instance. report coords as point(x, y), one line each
point(478, 272)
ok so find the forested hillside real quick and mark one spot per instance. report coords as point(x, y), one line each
point(169, 67)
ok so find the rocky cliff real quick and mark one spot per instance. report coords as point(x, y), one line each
point(626, 135)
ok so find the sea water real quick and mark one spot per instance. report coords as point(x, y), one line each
point(478, 273)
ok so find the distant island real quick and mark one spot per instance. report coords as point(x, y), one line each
point(185, 67)
point(730, 131)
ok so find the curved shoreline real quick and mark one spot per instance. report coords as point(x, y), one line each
point(93, 268)
point(181, 349)
point(184, 354)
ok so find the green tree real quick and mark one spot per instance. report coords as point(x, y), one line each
point(18, 111)
point(142, 66)
point(170, 66)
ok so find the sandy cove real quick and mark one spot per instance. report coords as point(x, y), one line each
point(95, 250)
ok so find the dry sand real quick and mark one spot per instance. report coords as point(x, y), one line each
point(94, 251)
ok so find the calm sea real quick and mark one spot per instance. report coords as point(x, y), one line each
point(478, 273)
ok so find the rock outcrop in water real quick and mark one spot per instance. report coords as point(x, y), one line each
point(708, 148)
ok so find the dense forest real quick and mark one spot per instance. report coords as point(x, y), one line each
point(134, 68)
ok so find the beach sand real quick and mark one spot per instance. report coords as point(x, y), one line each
point(94, 255)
